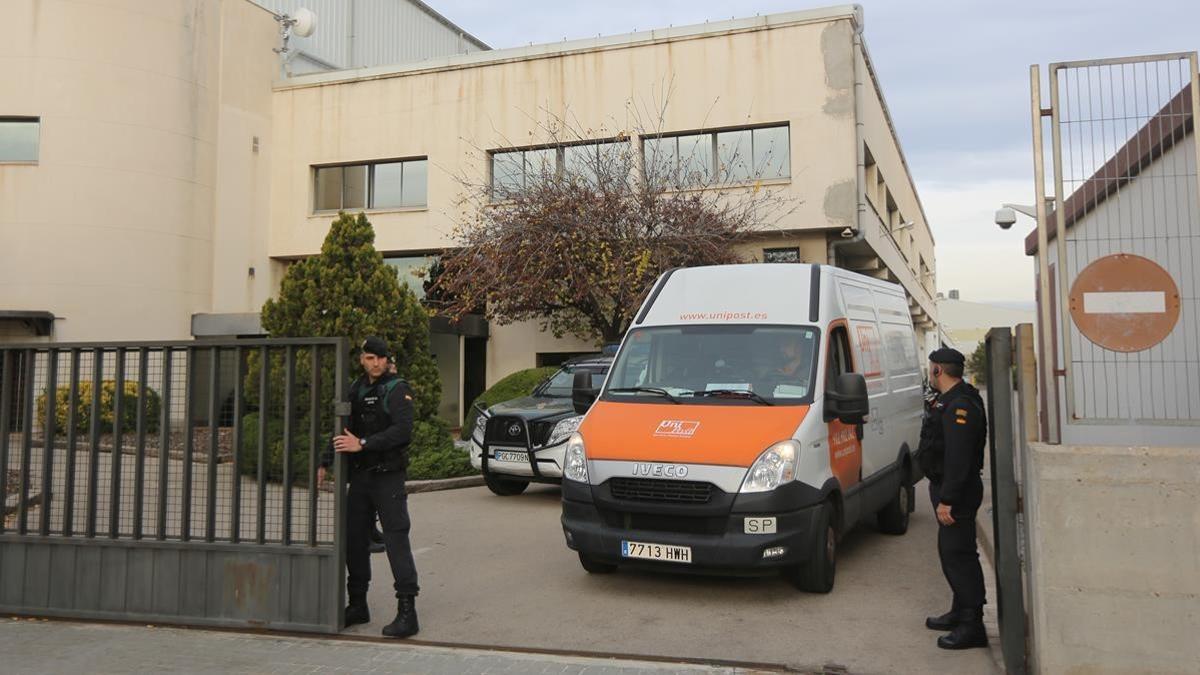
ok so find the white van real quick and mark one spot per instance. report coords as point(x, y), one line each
point(753, 415)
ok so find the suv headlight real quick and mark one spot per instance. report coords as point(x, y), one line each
point(563, 430)
point(480, 426)
point(575, 460)
point(774, 467)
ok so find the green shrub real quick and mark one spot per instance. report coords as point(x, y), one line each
point(433, 455)
point(301, 450)
point(108, 390)
point(520, 383)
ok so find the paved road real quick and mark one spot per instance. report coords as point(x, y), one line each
point(64, 647)
point(495, 571)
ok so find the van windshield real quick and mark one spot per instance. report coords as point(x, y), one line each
point(776, 363)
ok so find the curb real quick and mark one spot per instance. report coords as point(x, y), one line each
point(417, 486)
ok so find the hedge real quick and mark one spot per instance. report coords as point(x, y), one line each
point(108, 389)
point(519, 384)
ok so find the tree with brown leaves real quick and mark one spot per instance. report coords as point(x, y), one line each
point(574, 232)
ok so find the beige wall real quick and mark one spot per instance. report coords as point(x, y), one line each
point(515, 347)
point(113, 228)
point(1113, 555)
point(450, 113)
point(901, 250)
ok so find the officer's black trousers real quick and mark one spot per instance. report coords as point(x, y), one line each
point(958, 552)
point(379, 492)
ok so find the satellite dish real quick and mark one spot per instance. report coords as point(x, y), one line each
point(305, 23)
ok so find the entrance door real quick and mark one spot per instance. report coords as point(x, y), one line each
point(474, 370)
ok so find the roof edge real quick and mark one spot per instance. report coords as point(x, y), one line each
point(570, 47)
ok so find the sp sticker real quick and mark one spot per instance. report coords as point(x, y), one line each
point(677, 428)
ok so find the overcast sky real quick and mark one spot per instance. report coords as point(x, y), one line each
point(955, 74)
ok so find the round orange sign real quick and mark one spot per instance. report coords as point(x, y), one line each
point(1125, 303)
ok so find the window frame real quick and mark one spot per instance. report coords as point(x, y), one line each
point(37, 146)
point(369, 186)
point(560, 152)
point(715, 170)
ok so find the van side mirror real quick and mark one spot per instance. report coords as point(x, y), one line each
point(583, 395)
point(848, 401)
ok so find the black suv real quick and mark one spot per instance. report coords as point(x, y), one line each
point(522, 441)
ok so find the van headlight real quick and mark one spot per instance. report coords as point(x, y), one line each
point(575, 460)
point(774, 467)
point(563, 430)
point(480, 427)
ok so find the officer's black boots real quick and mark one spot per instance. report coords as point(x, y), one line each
point(405, 624)
point(968, 633)
point(357, 611)
point(944, 622)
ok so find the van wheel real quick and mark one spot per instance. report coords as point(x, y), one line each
point(505, 487)
point(594, 566)
point(816, 575)
point(893, 518)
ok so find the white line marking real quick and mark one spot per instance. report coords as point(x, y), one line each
point(1125, 302)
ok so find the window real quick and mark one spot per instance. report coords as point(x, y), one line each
point(839, 357)
point(380, 185)
point(19, 139)
point(775, 362)
point(781, 255)
point(732, 156)
point(871, 179)
point(515, 170)
point(413, 271)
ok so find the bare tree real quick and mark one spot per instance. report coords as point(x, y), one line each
point(573, 232)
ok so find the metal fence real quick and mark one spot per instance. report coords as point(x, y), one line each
point(1127, 222)
point(172, 481)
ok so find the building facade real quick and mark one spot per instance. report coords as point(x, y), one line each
point(238, 171)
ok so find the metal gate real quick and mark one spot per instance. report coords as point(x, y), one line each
point(172, 482)
point(1006, 505)
point(1120, 248)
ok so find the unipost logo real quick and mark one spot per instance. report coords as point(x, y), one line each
point(677, 428)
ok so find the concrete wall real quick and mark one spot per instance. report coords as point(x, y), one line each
point(1115, 558)
point(113, 228)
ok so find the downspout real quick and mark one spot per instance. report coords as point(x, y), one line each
point(859, 147)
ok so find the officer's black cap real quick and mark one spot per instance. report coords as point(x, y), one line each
point(947, 356)
point(376, 346)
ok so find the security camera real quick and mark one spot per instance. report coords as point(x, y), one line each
point(849, 233)
point(1005, 218)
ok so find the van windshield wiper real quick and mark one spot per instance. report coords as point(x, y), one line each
point(743, 393)
point(644, 390)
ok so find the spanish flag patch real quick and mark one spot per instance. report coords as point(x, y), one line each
point(961, 412)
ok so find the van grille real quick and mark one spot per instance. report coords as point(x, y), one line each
point(654, 490)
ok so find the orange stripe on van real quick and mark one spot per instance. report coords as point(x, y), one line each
point(730, 435)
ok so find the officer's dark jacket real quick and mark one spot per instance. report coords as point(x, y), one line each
point(953, 435)
point(382, 415)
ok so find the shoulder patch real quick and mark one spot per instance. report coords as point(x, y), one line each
point(961, 412)
point(961, 420)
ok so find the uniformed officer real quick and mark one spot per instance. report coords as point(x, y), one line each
point(376, 442)
point(953, 436)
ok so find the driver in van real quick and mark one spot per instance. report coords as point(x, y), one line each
point(793, 355)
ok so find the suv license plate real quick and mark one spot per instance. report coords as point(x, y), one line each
point(663, 552)
point(511, 456)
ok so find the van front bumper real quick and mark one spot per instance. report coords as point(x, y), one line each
point(718, 543)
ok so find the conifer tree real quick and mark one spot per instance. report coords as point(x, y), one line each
point(348, 290)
